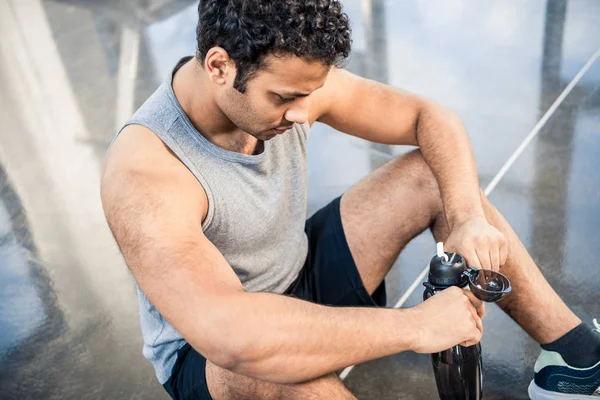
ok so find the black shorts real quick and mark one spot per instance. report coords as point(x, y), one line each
point(328, 277)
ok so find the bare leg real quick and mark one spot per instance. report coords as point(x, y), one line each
point(533, 304)
point(395, 203)
point(226, 385)
point(386, 210)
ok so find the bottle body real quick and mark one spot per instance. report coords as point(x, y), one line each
point(457, 370)
point(458, 373)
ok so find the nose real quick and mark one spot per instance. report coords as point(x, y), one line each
point(298, 112)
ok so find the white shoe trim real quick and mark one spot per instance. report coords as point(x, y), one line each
point(552, 358)
point(548, 358)
point(537, 393)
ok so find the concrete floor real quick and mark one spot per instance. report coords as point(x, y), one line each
point(72, 70)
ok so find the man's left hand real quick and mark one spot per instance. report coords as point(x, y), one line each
point(482, 245)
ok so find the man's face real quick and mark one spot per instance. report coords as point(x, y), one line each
point(276, 98)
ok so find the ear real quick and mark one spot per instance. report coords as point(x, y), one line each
point(218, 65)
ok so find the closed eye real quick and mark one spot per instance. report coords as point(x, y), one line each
point(285, 99)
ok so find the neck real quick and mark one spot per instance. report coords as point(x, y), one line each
point(193, 91)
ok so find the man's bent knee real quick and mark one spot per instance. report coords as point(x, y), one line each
point(417, 175)
point(421, 172)
point(226, 385)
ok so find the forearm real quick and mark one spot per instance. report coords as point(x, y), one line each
point(286, 340)
point(264, 335)
point(447, 150)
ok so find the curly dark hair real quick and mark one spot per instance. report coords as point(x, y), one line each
point(249, 30)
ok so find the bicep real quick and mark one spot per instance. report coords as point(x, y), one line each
point(156, 217)
point(368, 109)
point(157, 225)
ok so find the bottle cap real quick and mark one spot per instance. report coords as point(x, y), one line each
point(447, 270)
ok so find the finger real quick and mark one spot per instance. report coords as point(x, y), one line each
point(476, 319)
point(486, 264)
point(478, 333)
point(495, 259)
point(474, 338)
point(480, 310)
point(503, 252)
point(473, 342)
point(471, 302)
point(479, 324)
point(500, 263)
point(478, 305)
point(484, 258)
point(471, 259)
point(474, 300)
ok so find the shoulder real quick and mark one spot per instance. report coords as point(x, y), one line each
point(335, 90)
point(142, 172)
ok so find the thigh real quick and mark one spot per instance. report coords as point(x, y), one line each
point(226, 385)
point(195, 378)
point(330, 275)
point(385, 210)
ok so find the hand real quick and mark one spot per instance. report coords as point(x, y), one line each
point(482, 245)
point(451, 317)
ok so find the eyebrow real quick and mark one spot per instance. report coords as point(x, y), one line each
point(296, 94)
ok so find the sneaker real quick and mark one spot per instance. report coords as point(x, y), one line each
point(555, 379)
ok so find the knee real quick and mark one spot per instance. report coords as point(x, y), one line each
point(421, 175)
point(326, 387)
point(224, 384)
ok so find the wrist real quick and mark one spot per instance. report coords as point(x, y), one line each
point(411, 335)
point(458, 218)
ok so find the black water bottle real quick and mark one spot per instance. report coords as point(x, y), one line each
point(458, 370)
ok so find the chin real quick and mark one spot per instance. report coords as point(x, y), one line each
point(266, 137)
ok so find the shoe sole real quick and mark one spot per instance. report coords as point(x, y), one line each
point(537, 393)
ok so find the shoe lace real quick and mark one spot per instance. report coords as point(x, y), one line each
point(597, 325)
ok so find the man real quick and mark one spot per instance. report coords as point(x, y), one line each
point(205, 193)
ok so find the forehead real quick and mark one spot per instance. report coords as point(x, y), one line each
point(293, 73)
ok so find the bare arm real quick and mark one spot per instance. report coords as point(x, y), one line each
point(383, 114)
point(155, 208)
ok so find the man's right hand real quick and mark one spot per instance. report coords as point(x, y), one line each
point(451, 317)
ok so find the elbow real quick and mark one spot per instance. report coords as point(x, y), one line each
point(222, 353)
point(241, 357)
point(431, 115)
point(261, 366)
point(224, 359)
point(229, 349)
point(226, 350)
point(236, 343)
point(432, 108)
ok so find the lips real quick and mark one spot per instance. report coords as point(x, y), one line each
point(282, 130)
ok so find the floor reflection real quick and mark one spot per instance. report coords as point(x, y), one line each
point(29, 314)
point(375, 61)
point(78, 68)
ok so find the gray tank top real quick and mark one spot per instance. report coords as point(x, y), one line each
point(256, 210)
